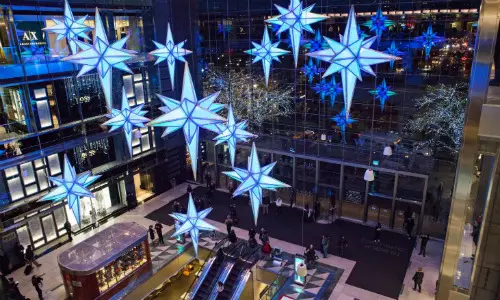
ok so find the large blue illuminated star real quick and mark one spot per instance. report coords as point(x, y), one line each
point(189, 114)
point(378, 23)
point(170, 52)
point(428, 40)
point(349, 57)
point(192, 222)
point(343, 120)
point(382, 92)
point(71, 187)
point(394, 51)
point(127, 119)
point(295, 18)
point(310, 70)
point(331, 89)
point(267, 52)
point(232, 133)
point(103, 57)
point(253, 180)
point(70, 28)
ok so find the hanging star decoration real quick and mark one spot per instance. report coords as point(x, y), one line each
point(192, 222)
point(224, 29)
point(343, 121)
point(71, 186)
point(310, 70)
point(428, 40)
point(350, 56)
point(189, 114)
point(382, 92)
point(70, 28)
point(362, 34)
point(325, 88)
point(317, 43)
point(394, 51)
point(103, 57)
point(266, 52)
point(378, 23)
point(232, 133)
point(127, 119)
point(253, 180)
point(295, 19)
point(170, 52)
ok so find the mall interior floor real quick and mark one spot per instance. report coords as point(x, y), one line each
point(379, 268)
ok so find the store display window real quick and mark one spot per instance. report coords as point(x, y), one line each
point(13, 120)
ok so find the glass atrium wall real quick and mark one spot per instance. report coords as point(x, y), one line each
point(312, 153)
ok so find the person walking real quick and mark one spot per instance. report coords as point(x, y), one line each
point(189, 189)
point(4, 264)
point(264, 236)
point(229, 223)
point(37, 282)
point(423, 244)
point(30, 256)
point(325, 242)
point(409, 227)
point(265, 205)
point(378, 230)
point(67, 227)
point(342, 244)
point(220, 287)
point(158, 228)
point(19, 249)
point(232, 237)
point(252, 242)
point(151, 233)
point(279, 203)
point(418, 278)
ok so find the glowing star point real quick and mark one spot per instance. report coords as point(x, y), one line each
point(349, 57)
point(189, 114)
point(428, 40)
point(343, 121)
point(266, 52)
point(127, 119)
point(382, 92)
point(192, 222)
point(295, 19)
point(102, 56)
point(232, 133)
point(378, 23)
point(69, 28)
point(71, 186)
point(170, 52)
point(254, 180)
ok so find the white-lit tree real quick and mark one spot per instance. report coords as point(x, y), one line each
point(440, 116)
point(249, 96)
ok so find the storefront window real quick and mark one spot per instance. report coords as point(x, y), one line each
point(141, 141)
point(8, 54)
point(44, 107)
point(136, 89)
point(131, 26)
point(12, 116)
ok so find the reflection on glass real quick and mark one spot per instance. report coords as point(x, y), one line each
point(60, 217)
point(48, 226)
point(35, 229)
point(23, 235)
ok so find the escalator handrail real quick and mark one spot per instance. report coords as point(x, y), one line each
point(216, 246)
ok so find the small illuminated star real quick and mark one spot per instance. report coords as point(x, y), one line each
point(331, 89)
point(295, 19)
point(232, 133)
point(127, 119)
point(70, 28)
point(192, 222)
point(267, 52)
point(189, 114)
point(170, 52)
point(428, 40)
point(394, 51)
point(378, 23)
point(349, 57)
point(71, 187)
point(254, 179)
point(102, 56)
point(382, 92)
point(343, 120)
point(310, 70)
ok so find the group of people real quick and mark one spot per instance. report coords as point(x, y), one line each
point(159, 231)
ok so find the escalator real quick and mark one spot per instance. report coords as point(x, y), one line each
point(220, 266)
point(235, 281)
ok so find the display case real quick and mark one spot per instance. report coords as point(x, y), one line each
point(108, 264)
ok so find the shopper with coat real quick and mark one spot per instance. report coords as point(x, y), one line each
point(418, 278)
